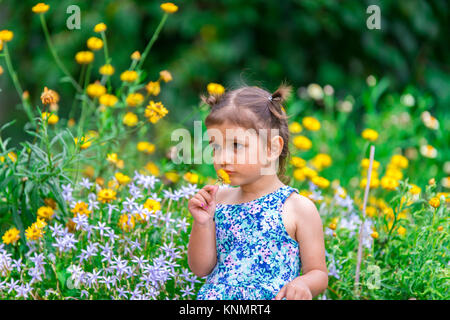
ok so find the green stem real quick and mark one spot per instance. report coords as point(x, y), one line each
point(107, 58)
point(83, 70)
point(17, 85)
point(55, 55)
point(83, 105)
point(153, 39)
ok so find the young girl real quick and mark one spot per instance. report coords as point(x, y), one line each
point(252, 241)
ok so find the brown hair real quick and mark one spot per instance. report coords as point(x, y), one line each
point(253, 107)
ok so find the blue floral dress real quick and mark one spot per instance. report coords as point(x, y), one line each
point(256, 256)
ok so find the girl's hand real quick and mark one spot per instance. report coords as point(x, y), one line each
point(295, 290)
point(202, 205)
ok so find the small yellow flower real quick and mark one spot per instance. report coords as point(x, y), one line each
point(81, 208)
point(152, 168)
point(332, 226)
point(370, 134)
point(129, 76)
point(309, 172)
point(223, 176)
point(401, 231)
point(155, 111)
point(49, 96)
point(106, 70)
point(394, 173)
point(146, 147)
point(321, 182)
point(366, 162)
point(122, 178)
point(106, 195)
point(1, 68)
point(299, 175)
point(169, 7)
point(94, 43)
point(311, 123)
point(374, 183)
point(126, 222)
point(153, 88)
point(95, 90)
point(136, 56)
point(172, 176)
point(40, 8)
point(45, 212)
point(415, 189)
point(165, 76)
point(84, 142)
point(295, 127)
point(100, 27)
point(108, 100)
point(52, 119)
point(191, 177)
point(440, 228)
point(399, 161)
point(298, 162)
point(371, 211)
point(134, 99)
point(302, 143)
point(152, 205)
point(389, 183)
point(215, 89)
point(35, 231)
point(374, 235)
point(84, 57)
point(434, 202)
point(6, 35)
point(11, 236)
point(321, 161)
point(130, 119)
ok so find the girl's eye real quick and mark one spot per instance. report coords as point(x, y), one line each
point(238, 145)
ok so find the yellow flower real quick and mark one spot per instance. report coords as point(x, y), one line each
point(295, 127)
point(332, 226)
point(134, 99)
point(122, 178)
point(155, 111)
point(223, 176)
point(11, 236)
point(52, 119)
point(311, 123)
point(146, 147)
point(298, 162)
point(191, 177)
point(85, 143)
point(107, 70)
point(396, 174)
point(440, 228)
point(152, 205)
point(389, 183)
point(169, 7)
point(94, 43)
point(35, 231)
point(302, 143)
point(309, 172)
point(152, 168)
point(366, 162)
point(108, 100)
point(81, 208)
point(136, 56)
point(100, 27)
point(215, 89)
point(370, 134)
point(106, 195)
point(1, 68)
point(130, 119)
point(299, 175)
point(129, 76)
point(434, 202)
point(444, 196)
point(153, 88)
point(172, 176)
point(321, 161)
point(401, 230)
point(45, 212)
point(415, 189)
point(126, 222)
point(399, 161)
point(321, 182)
point(95, 89)
point(374, 183)
point(371, 211)
point(374, 235)
point(165, 76)
point(6, 35)
point(84, 57)
point(40, 8)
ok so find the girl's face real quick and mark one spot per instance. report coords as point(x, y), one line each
point(241, 152)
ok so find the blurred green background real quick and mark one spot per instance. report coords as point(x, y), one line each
point(235, 41)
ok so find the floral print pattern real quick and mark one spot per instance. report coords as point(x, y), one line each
point(256, 256)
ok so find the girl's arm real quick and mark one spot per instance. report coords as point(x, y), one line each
point(202, 254)
point(309, 234)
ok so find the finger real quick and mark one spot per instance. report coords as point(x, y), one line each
point(280, 294)
point(206, 195)
point(197, 202)
point(290, 294)
point(200, 198)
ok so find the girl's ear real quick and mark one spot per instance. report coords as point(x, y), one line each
point(276, 147)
